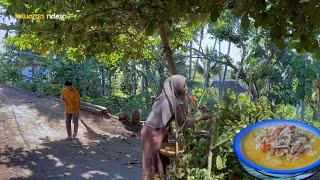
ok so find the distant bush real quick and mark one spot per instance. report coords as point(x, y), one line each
point(46, 89)
point(27, 86)
point(41, 89)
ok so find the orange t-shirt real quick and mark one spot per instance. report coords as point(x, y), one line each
point(71, 97)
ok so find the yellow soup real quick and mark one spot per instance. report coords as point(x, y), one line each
point(281, 163)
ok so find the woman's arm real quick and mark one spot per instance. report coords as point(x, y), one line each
point(202, 117)
point(184, 121)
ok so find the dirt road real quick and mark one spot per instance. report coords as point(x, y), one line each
point(33, 144)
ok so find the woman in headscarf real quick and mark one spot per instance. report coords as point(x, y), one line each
point(170, 104)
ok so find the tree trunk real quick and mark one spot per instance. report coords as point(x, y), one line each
point(143, 85)
point(190, 62)
point(257, 95)
point(210, 154)
point(33, 67)
point(103, 80)
point(208, 65)
point(51, 79)
point(267, 84)
point(84, 87)
point(317, 100)
point(167, 50)
point(144, 80)
point(207, 76)
point(195, 66)
point(303, 108)
point(250, 85)
point(135, 80)
point(224, 82)
point(161, 77)
point(220, 66)
point(110, 88)
point(244, 57)
point(318, 104)
point(146, 77)
point(214, 136)
point(225, 72)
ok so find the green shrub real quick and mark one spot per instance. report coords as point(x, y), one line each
point(46, 89)
point(88, 99)
point(230, 116)
point(27, 86)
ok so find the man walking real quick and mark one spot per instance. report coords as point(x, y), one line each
point(71, 97)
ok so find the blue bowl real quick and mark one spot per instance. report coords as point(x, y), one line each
point(250, 166)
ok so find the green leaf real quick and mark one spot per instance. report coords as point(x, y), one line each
point(219, 162)
point(27, 5)
point(150, 29)
point(280, 43)
point(214, 15)
point(245, 22)
point(317, 54)
point(180, 173)
point(36, 10)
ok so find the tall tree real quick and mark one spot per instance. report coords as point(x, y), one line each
point(121, 29)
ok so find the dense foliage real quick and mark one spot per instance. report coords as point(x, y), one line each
point(230, 116)
point(123, 29)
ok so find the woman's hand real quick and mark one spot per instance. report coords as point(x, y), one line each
point(206, 116)
point(206, 112)
point(203, 117)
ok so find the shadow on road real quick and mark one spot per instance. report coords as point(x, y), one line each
point(67, 159)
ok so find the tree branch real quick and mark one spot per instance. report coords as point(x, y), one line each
point(227, 63)
point(166, 49)
point(219, 144)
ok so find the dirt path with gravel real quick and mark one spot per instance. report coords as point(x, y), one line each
point(33, 144)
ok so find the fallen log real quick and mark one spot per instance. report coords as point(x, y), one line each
point(113, 116)
point(91, 109)
point(104, 109)
point(85, 106)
